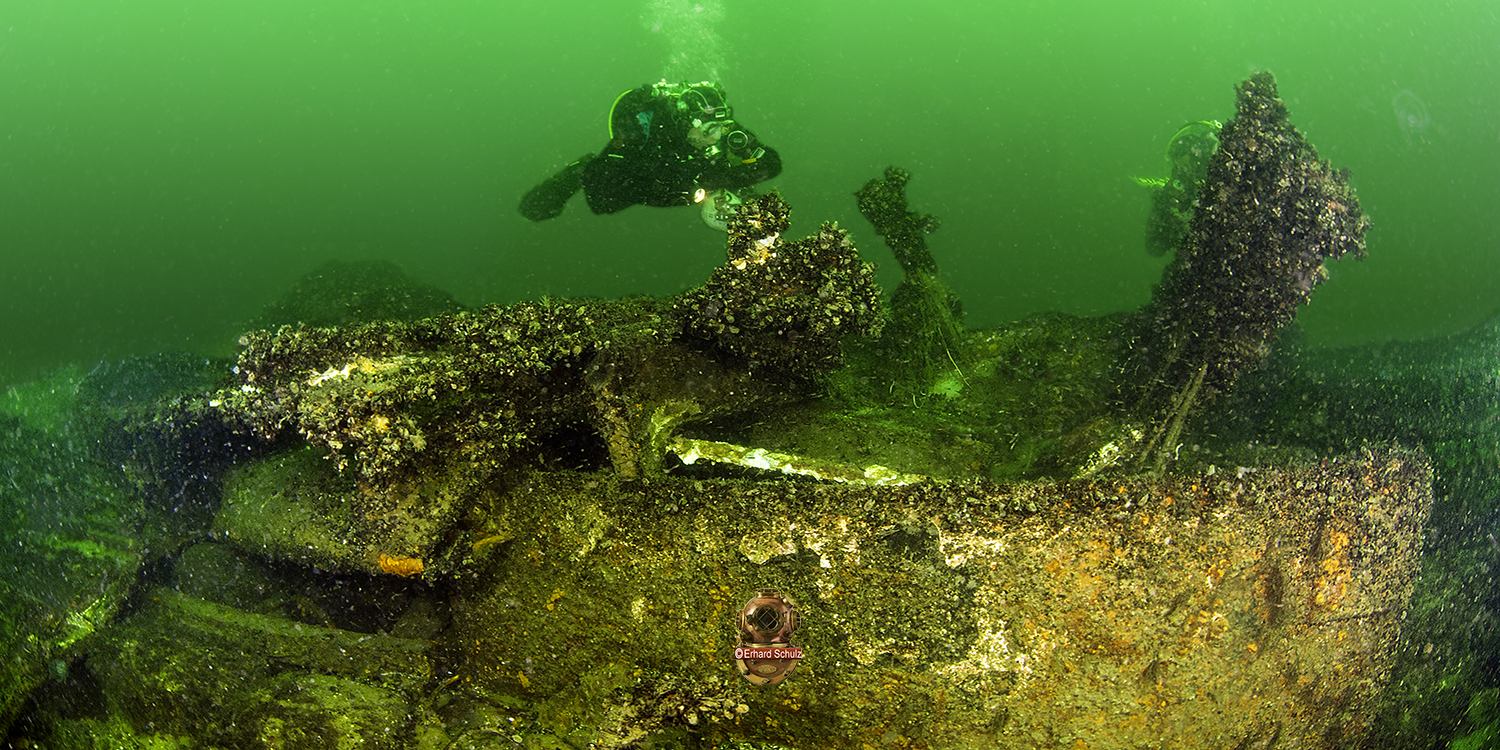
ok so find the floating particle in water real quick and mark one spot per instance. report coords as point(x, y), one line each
point(1412, 116)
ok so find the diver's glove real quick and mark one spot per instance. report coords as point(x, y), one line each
point(546, 201)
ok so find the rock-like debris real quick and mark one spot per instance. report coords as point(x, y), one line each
point(783, 305)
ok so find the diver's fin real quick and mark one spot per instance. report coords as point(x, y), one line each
point(546, 201)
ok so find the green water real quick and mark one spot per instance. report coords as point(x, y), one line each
point(168, 168)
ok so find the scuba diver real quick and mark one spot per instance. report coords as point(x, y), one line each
point(670, 144)
point(1174, 197)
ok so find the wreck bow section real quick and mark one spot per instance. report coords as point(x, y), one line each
point(1242, 607)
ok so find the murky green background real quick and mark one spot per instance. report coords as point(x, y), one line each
point(166, 168)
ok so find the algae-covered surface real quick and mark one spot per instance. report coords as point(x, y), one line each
point(540, 525)
point(1243, 605)
point(70, 555)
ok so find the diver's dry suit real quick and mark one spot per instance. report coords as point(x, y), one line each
point(670, 145)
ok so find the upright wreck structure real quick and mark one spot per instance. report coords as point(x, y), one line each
point(1269, 214)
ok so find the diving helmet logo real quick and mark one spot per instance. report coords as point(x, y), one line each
point(764, 653)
